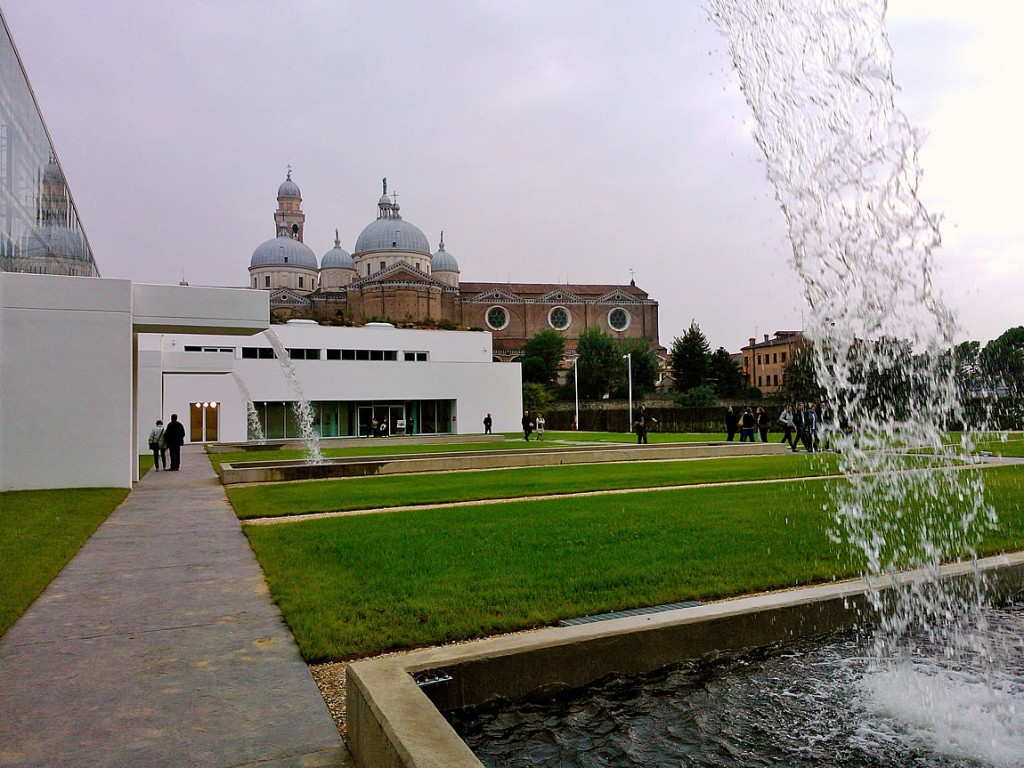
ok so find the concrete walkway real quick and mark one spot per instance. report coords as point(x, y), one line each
point(158, 645)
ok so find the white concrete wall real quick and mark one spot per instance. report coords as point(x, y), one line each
point(65, 382)
point(459, 368)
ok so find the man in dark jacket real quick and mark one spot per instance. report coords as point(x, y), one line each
point(732, 421)
point(174, 437)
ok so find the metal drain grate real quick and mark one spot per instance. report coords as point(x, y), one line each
point(630, 612)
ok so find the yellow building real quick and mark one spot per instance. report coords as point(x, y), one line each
point(764, 362)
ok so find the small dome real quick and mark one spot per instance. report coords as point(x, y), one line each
point(337, 257)
point(283, 251)
point(392, 235)
point(442, 261)
point(289, 188)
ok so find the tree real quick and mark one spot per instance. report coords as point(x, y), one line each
point(536, 397)
point(645, 364)
point(799, 377)
point(691, 358)
point(1003, 359)
point(542, 357)
point(703, 396)
point(726, 375)
point(600, 365)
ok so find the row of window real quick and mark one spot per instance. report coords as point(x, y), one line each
point(267, 353)
point(768, 381)
point(777, 357)
point(559, 318)
point(302, 282)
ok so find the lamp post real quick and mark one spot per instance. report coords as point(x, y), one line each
point(628, 357)
point(576, 384)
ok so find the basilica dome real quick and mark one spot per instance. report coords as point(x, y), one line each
point(337, 257)
point(442, 261)
point(392, 234)
point(283, 251)
point(53, 240)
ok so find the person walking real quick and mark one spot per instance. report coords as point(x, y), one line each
point(642, 423)
point(540, 426)
point(800, 423)
point(732, 421)
point(487, 424)
point(747, 423)
point(157, 445)
point(174, 437)
point(788, 427)
point(762, 423)
point(810, 430)
point(527, 425)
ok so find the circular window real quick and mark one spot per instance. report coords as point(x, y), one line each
point(618, 319)
point(497, 318)
point(559, 318)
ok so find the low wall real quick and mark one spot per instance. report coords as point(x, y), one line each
point(351, 441)
point(393, 723)
point(283, 471)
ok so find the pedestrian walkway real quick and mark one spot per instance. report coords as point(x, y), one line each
point(158, 645)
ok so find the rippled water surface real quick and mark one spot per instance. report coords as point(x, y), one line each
point(812, 704)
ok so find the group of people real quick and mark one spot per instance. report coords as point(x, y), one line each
point(529, 424)
point(807, 424)
point(167, 439)
point(380, 428)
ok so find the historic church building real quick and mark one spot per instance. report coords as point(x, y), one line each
point(392, 275)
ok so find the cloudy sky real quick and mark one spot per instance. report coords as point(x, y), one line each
point(552, 141)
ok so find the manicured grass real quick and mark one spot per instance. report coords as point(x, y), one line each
point(145, 463)
point(514, 441)
point(400, 490)
point(365, 584)
point(40, 531)
point(1012, 446)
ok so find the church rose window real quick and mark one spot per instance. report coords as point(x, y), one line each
point(497, 318)
point(618, 319)
point(558, 318)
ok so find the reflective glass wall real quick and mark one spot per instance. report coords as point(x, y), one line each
point(39, 227)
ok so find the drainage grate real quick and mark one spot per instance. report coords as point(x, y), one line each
point(624, 614)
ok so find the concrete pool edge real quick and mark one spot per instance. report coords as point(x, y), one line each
point(393, 722)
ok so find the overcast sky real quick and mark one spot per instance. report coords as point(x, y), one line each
point(551, 141)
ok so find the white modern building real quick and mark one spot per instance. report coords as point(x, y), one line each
point(419, 381)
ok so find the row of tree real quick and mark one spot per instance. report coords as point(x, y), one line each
point(603, 364)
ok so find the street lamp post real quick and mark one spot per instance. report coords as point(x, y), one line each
point(628, 357)
point(576, 384)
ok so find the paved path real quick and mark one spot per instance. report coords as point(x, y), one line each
point(158, 645)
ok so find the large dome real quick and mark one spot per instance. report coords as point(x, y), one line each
point(55, 241)
point(392, 234)
point(283, 251)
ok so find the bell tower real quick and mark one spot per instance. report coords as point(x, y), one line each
point(289, 208)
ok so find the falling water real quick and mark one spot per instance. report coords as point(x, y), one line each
point(255, 431)
point(302, 408)
point(843, 161)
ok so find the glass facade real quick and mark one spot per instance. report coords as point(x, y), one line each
point(352, 419)
point(39, 227)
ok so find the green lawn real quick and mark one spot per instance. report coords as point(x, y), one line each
point(40, 531)
point(400, 490)
point(360, 585)
point(513, 441)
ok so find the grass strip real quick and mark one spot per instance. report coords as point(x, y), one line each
point(361, 585)
point(388, 447)
point(40, 531)
point(278, 499)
